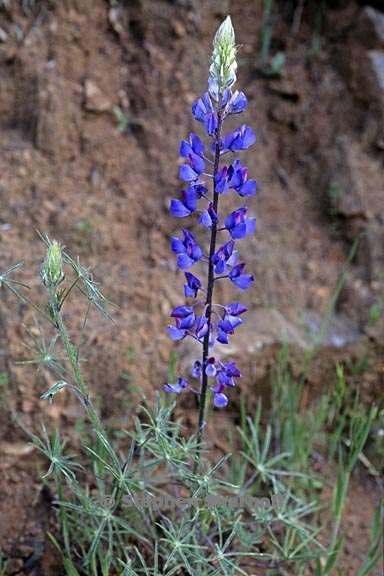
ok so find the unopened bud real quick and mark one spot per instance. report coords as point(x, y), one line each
point(223, 63)
point(52, 270)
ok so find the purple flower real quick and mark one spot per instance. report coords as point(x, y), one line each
point(240, 280)
point(226, 374)
point(238, 224)
point(209, 216)
point(238, 179)
point(210, 368)
point(235, 309)
point(186, 206)
point(192, 286)
point(176, 333)
point(196, 369)
point(240, 139)
point(185, 317)
point(205, 321)
point(224, 329)
point(188, 251)
point(193, 151)
point(225, 256)
point(194, 146)
point(234, 321)
point(191, 172)
point(203, 111)
point(180, 385)
point(238, 103)
point(201, 327)
point(221, 180)
point(226, 326)
point(199, 189)
point(231, 318)
point(220, 400)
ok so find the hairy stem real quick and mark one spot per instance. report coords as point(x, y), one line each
point(73, 358)
point(208, 301)
point(63, 515)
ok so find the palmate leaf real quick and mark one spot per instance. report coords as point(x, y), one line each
point(6, 277)
point(43, 354)
point(53, 448)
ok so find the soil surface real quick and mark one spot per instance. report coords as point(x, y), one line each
point(95, 97)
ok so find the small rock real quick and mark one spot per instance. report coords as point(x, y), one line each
point(115, 20)
point(17, 448)
point(178, 28)
point(288, 88)
point(25, 550)
point(349, 190)
point(370, 30)
point(14, 566)
point(337, 332)
point(95, 100)
point(376, 58)
point(3, 35)
point(364, 73)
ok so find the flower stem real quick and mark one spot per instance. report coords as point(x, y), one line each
point(72, 356)
point(208, 301)
point(63, 515)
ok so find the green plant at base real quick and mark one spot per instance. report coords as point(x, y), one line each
point(103, 528)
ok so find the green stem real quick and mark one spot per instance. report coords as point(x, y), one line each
point(74, 361)
point(63, 515)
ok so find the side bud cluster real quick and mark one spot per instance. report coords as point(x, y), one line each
point(52, 273)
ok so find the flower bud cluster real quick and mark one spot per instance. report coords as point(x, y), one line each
point(52, 271)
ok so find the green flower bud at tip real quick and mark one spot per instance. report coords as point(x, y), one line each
point(52, 271)
point(223, 62)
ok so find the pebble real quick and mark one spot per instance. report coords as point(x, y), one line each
point(95, 100)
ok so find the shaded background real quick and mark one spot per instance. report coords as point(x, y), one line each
point(95, 97)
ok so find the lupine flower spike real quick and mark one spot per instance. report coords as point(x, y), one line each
point(206, 321)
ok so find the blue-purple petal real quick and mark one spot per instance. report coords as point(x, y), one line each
point(196, 143)
point(247, 189)
point(176, 334)
point(238, 104)
point(205, 219)
point(235, 308)
point(220, 400)
point(176, 388)
point(243, 281)
point(249, 138)
point(181, 311)
point(239, 231)
point(177, 245)
point(184, 261)
point(197, 163)
point(187, 173)
point(251, 225)
point(185, 149)
point(178, 209)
